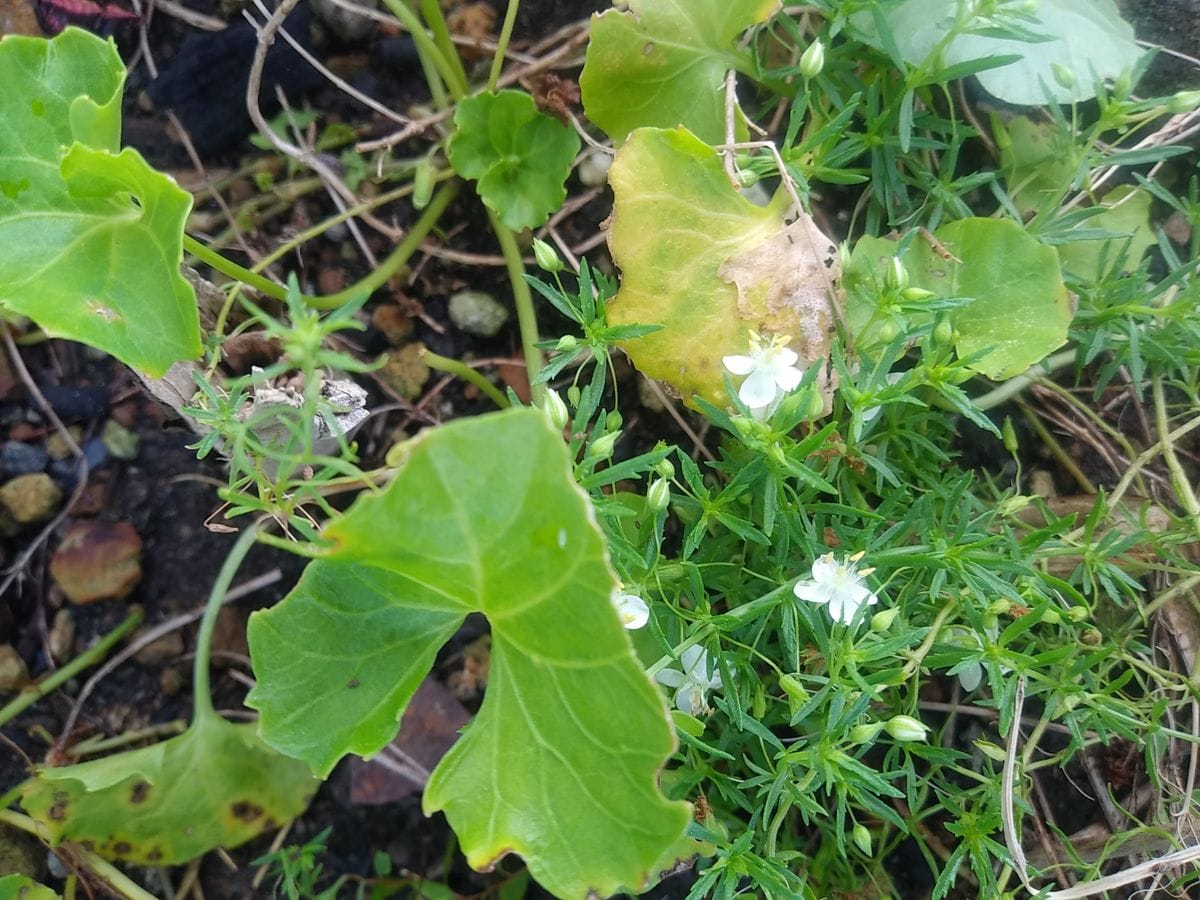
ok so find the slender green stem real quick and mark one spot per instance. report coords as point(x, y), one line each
point(462, 370)
point(1179, 478)
point(399, 256)
point(506, 30)
point(201, 695)
point(523, 298)
point(90, 657)
point(431, 11)
point(426, 46)
point(115, 878)
point(233, 270)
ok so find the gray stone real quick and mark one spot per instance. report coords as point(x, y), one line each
point(19, 458)
point(477, 313)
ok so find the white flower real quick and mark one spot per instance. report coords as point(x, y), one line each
point(770, 372)
point(693, 683)
point(632, 609)
point(838, 584)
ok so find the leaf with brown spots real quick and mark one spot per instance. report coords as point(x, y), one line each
point(215, 785)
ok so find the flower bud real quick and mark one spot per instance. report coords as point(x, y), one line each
point(861, 838)
point(896, 277)
point(1063, 75)
point(566, 343)
point(613, 421)
point(1000, 607)
point(990, 750)
point(1183, 102)
point(1052, 617)
point(883, 619)
point(1009, 435)
point(1091, 637)
point(574, 395)
point(664, 468)
point(943, 332)
point(866, 732)
point(547, 259)
point(906, 728)
point(659, 495)
point(888, 329)
point(1078, 613)
point(555, 410)
point(916, 294)
point(813, 60)
point(791, 686)
point(747, 178)
point(602, 447)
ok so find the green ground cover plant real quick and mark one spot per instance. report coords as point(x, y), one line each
point(776, 657)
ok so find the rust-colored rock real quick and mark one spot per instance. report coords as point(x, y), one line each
point(98, 561)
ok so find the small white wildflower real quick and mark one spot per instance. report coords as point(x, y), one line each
point(632, 609)
point(839, 584)
point(770, 372)
point(693, 683)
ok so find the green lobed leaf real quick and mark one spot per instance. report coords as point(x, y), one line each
point(664, 64)
point(1126, 213)
point(519, 156)
point(92, 238)
point(22, 887)
point(1019, 308)
point(560, 764)
point(703, 261)
point(1088, 39)
point(1038, 161)
point(215, 785)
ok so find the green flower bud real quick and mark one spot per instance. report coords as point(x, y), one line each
point(813, 60)
point(1078, 613)
point(990, 750)
point(1063, 75)
point(566, 343)
point(602, 447)
point(574, 395)
point(613, 421)
point(888, 329)
point(896, 277)
point(664, 468)
point(861, 838)
point(883, 619)
point(943, 332)
point(1183, 102)
point(659, 495)
point(546, 257)
point(791, 686)
point(1000, 607)
point(747, 178)
point(906, 728)
point(916, 294)
point(1009, 434)
point(866, 732)
point(1052, 617)
point(555, 410)
point(423, 180)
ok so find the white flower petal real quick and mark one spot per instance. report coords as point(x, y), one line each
point(785, 357)
point(824, 568)
point(788, 379)
point(812, 592)
point(739, 365)
point(632, 609)
point(694, 659)
point(672, 678)
point(758, 389)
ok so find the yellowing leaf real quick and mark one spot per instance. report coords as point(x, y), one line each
point(703, 261)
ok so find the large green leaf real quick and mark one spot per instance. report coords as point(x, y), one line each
point(1127, 215)
point(664, 64)
point(703, 261)
point(215, 785)
point(1019, 308)
point(519, 157)
point(560, 765)
point(21, 887)
point(92, 238)
point(1087, 38)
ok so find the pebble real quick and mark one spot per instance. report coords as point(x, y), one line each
point(61, 638)
point(31, 498)
point(391, 320)
point(98, 560)
point(477, 313)
point(405, 371)
point(162, 650)
point(120, 442)
point(76, 403)
point(95, 452)
point(57, 446)
point(19, 458)
point(14, 674)
point(348, 25)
